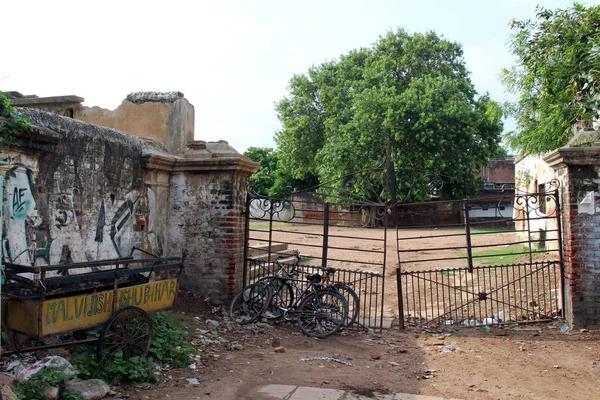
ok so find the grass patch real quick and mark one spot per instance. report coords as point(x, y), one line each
point(305, 259)
point(503, 255)
point(264, 225)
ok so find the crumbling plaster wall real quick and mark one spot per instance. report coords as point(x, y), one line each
point(79, 192)
point(76, 192)
point(166, 118)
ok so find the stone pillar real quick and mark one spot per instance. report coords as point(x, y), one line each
point(578, 169)
point(206, 217)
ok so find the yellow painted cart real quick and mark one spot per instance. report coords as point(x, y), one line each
point(116, 293)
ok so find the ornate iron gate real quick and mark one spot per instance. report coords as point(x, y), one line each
point(329, 225)
point(488, 260)
point(325, 234)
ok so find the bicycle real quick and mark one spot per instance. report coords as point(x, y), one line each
point(249, 303)
point(283, 291)
point(319, 310)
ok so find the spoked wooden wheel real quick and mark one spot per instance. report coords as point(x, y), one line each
point(128, 331)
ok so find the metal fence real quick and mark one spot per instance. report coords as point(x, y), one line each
point(485, 295)
point(488, 260)
point(325, 234)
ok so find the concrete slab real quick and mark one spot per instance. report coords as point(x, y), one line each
point(291, 392)
point(374, 396)
point(278, 392)
point(309, 393)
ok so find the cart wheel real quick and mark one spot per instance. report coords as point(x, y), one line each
point(129, 331)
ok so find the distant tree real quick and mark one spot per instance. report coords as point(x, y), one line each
point(557, 76)
point(270, 179)
point(408, 91)
point(264, 178)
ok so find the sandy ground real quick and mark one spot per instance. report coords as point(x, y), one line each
point(528, 361)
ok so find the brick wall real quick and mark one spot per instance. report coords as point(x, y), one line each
point(207, 216)
point(499, 171)
point(578, 170)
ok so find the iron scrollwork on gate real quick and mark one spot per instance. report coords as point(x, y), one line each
point(265, 208)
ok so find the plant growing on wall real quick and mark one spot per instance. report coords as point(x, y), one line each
point(11, 123)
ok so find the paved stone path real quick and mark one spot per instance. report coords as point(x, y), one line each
point(291, 392)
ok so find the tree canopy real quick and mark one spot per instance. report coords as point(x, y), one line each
point(557, 76)
point(408, 92)
point(270, 179)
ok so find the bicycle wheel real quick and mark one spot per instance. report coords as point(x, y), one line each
point(322, 313)
point(282, 298)
point(353, 303)
point(249, 303)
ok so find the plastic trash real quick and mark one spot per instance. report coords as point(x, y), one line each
point(192, 381)
point(23, 371)
point(490, 321)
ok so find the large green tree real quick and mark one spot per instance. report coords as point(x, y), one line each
point(557, 76)
point(408, 92)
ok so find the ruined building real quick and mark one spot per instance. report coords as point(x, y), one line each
point(89, 184)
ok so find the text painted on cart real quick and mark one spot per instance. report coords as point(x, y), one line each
point(98, 307)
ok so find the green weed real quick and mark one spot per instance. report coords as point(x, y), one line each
point(170, 345)
point(33, 389)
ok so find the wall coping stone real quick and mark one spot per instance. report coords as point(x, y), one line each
point(27, 101)
point(585, 155)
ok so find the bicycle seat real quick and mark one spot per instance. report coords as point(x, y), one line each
point(328, 270)
point(314, 278)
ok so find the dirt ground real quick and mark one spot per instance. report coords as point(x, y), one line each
point(528, 361)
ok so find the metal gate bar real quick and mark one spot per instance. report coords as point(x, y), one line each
point(475, 271)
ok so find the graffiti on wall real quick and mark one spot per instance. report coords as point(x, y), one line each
point(66, 208)
point(22, 219)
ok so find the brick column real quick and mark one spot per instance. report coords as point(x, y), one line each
point(207, 217)
point(578, 169)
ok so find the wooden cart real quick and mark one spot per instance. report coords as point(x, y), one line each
point(117, 293)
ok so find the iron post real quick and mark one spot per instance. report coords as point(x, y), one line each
point(468, 235)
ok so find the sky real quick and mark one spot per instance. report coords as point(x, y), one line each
point(232, 59)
